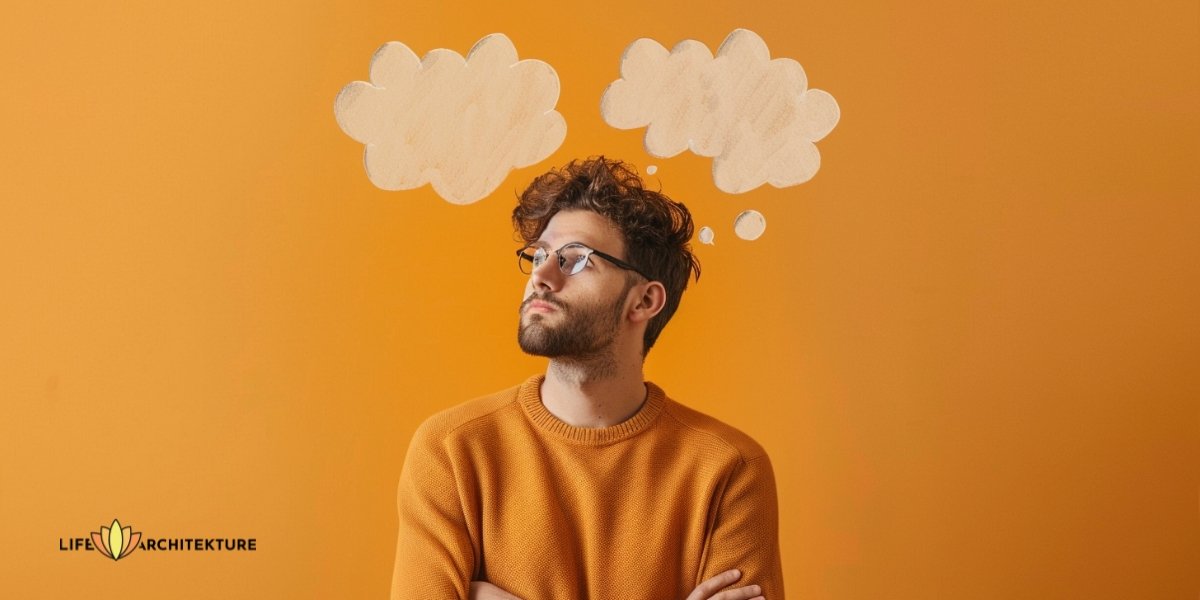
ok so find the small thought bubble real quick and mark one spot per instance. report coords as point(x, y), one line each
point(650, 170)
point(749, 225)
point(706, 236)
point(753, 115)
point(458, 124)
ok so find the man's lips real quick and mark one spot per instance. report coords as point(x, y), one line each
point(539, 306)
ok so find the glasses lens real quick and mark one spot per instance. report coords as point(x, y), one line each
point(573, 259)
point(530, 258)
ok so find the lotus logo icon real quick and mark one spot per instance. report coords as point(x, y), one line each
point(116, 542)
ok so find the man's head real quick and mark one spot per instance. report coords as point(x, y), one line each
point(636, 256)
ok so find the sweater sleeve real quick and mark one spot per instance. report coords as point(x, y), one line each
point(745, 533)
point(434, 554)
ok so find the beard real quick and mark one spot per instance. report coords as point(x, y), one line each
point(583, 332)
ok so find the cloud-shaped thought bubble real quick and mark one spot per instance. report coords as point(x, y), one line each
point(458, 124)
point(755, 116)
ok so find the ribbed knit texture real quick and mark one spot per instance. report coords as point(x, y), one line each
point(498, 489)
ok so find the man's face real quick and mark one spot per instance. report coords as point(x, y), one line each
point(575, 316)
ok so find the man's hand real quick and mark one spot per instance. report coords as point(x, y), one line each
point(482, 590)
point(714, 589)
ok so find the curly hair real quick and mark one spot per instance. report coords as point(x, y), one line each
point(655, 229)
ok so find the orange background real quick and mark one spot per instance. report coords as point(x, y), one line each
point(969, 343)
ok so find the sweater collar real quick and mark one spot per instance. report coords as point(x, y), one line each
point(529, 394)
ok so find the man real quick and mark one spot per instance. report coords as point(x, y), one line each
point(587, 481)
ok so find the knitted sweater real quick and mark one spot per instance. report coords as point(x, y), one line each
point(499, 490)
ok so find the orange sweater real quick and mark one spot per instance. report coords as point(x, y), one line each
point(498, 489)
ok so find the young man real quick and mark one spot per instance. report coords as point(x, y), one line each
point(587, 481)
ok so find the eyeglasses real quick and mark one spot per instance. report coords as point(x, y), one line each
point(572, 258)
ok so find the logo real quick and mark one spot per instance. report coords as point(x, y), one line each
point(115, 542)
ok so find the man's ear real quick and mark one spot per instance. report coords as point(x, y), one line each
point(650, 299)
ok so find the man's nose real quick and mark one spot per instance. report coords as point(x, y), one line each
point(547, 276)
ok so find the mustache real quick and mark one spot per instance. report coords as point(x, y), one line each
point(541, 298)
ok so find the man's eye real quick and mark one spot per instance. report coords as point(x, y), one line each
point(580, 264)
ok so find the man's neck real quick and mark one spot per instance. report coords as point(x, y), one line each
point(584, 397)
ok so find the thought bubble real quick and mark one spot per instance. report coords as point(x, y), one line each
point(749, 225)
point(753, 115)
point(706, 236)
point(458, 124)
point(650, 170)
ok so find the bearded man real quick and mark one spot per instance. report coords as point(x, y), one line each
point(588, 481)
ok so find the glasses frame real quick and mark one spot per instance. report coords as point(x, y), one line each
point(562, 262)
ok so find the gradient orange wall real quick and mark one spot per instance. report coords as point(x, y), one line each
point(969, 344)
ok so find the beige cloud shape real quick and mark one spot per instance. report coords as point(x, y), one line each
point(753, 115)
point(458, 124)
